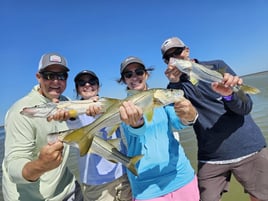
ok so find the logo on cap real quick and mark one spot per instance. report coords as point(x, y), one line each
point(55, 58)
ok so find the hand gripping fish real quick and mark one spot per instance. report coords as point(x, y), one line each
point(110, 119)
point(199, 72)
point(73, 107)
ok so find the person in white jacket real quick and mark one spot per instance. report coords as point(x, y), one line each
point(101, 179)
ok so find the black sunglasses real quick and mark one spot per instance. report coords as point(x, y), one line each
point(138, 72)
point(47, 75)
point(92, 82)
point(177, 52)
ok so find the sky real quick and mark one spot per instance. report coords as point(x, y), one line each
point(99, 35)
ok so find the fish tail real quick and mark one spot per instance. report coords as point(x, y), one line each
point(80, 138)
point(132, 163)
point(249, 89)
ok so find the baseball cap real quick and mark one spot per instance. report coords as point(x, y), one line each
point(130, 60)
point(170, 43)
point(52, 59)
point(85, 72)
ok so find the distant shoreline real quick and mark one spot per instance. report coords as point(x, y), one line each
point(257, 73)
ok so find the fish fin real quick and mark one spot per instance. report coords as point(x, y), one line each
point(111, 130)
point(79, 137)
point(132, 92)
point(193, 80)
point(222, 70)
point(115, 143)
point(249, 89)
point(149, 112)
point(107, 102)
point(132, 163)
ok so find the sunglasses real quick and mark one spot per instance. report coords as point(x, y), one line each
point(177, 52)
point(92, 82)
point(47, 75)
point(138, 72)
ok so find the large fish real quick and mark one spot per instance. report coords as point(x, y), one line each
point(199, 72)
point(147, 100)
point(73, 107)
point(109, 150)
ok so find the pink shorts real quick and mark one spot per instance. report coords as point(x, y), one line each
point(189, 192)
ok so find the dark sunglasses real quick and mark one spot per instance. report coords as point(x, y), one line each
point(177, 52)
point(47, 75)
point(92, 82)
point(138, 72)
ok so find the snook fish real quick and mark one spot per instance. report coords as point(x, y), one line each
point(200, 72)
point(146, 100)
point(109, 150)
point(74, 108)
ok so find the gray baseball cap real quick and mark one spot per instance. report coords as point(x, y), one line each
point(52, 59)
point(171, 43)
point(128, 61)
point(85, 72)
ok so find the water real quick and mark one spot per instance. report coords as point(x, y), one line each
point(187, 137)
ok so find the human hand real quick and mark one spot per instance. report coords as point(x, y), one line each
point(50, 156)
point(173, 74)
point(60, 114)
point(185, 110)
point(94, 110)
point(225, 87)
point(131, 114)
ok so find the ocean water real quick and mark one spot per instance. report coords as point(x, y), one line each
point(187, 137)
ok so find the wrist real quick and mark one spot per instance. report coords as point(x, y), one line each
point(228, 98)
point(139, 123)
point(192, 122)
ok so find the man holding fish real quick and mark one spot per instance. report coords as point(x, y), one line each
point(229, 141)
point(34, 169)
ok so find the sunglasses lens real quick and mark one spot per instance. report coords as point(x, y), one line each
point(138, 72)
point(81, 83)
point(177, 52)
point(54, 76)
point(92, 82)
point(128, 74)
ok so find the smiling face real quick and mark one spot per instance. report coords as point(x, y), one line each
point(135, 77)
point(52, 81)
point(87, 86)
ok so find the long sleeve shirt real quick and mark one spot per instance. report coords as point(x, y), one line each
point(224, 129)
point(24, 138)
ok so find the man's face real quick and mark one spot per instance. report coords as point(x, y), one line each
point(52, 81)
point(179, 53)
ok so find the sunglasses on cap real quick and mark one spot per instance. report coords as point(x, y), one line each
point(138, 72)
point(177, 52)
point(47, 75)
point(92, 82)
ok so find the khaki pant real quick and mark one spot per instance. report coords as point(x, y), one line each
point(118, 190)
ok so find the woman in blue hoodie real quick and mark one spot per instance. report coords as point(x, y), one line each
point(164, 172)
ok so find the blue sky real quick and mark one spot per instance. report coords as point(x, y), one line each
point(98, 35)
